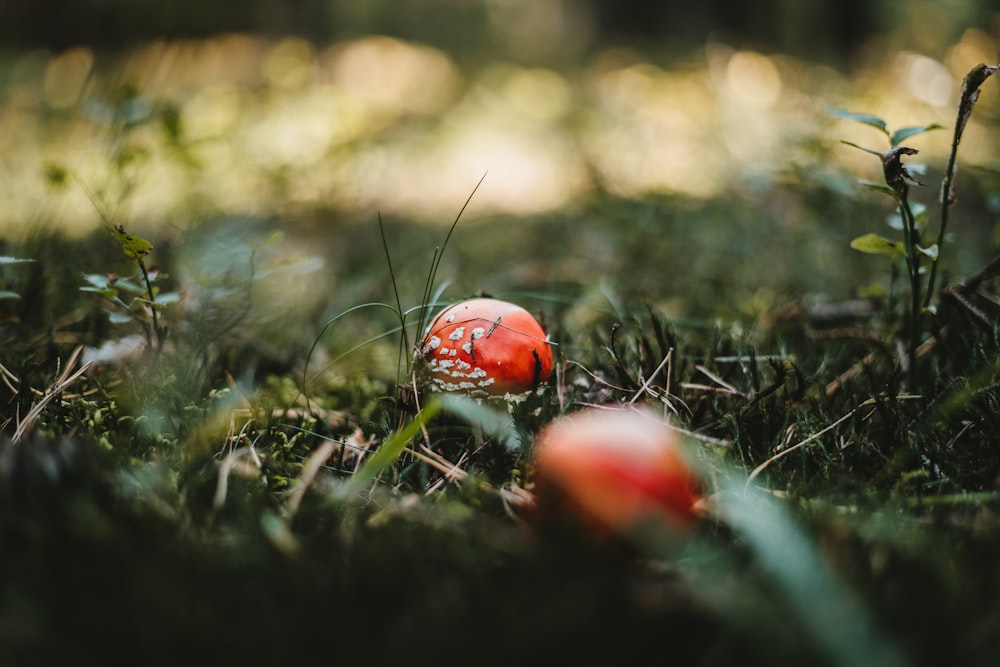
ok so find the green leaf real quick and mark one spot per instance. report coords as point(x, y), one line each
point(96, 279)
point(167, 298)
point(879, 187)
point(277, 531)
point(873, 291)
point(134, 247)
point(867, 119)
point(119, 318)
point(163, 300)
point(14, 260)
point(904, 133)
point(930, 251)
point(9, 295)
point(498, 425)
point(126, 285)
point(107, 292)
point(877, 245)
point(871, 151)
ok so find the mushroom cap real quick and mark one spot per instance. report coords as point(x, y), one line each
point(486, 346)
point(614, 468)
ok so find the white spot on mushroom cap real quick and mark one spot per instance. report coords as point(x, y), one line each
point(444, 385)
point(457, 333)
point(467, 347)
point(432, 344)
point(478, 332)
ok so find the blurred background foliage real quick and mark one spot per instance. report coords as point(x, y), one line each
point(666, 153)
point(634, 152)
point(522, 29)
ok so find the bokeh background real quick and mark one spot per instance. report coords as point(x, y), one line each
point(678, 154)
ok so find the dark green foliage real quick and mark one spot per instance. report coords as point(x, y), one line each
point(123, 544)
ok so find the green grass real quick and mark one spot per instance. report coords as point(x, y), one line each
point(118, 538)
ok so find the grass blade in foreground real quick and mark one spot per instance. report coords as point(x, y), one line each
point(387, 454)
point(827, 608)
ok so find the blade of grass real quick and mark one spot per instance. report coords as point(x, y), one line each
point(389, 452)
point(329, 323)
point(348, 352)
point(439, 252)
point(830, 612)
point(404, 340)
point(493, 422)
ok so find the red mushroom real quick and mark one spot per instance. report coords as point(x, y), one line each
point(613, 469)
point(486, 346)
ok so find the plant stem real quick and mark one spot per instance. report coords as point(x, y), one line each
point(152, 300)
point(946, 201)
point(913, 267)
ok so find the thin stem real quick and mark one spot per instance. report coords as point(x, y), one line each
point(436, 261)
point(913, 266)
point(946, 201)
point(404, 342)
point(152, 300)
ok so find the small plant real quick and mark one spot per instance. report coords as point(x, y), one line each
point(130, 299)
point(136, 298)
point(915, 246)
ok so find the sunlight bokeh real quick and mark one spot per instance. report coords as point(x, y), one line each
point(241, 124)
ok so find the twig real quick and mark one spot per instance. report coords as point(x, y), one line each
point(718, 442)
point(869, 358)
point(802, 443)
point(647, 384)
point(225, 469)
point(722, 383)
point(435, 460)
point(859, 366)
point(65, 380)
point(452, 471)
point(309, 471)
point(694, 386)
point(597, 378)
point(7, 376)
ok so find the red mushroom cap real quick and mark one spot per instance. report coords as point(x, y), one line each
point(486, 346)
point(613, 468)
